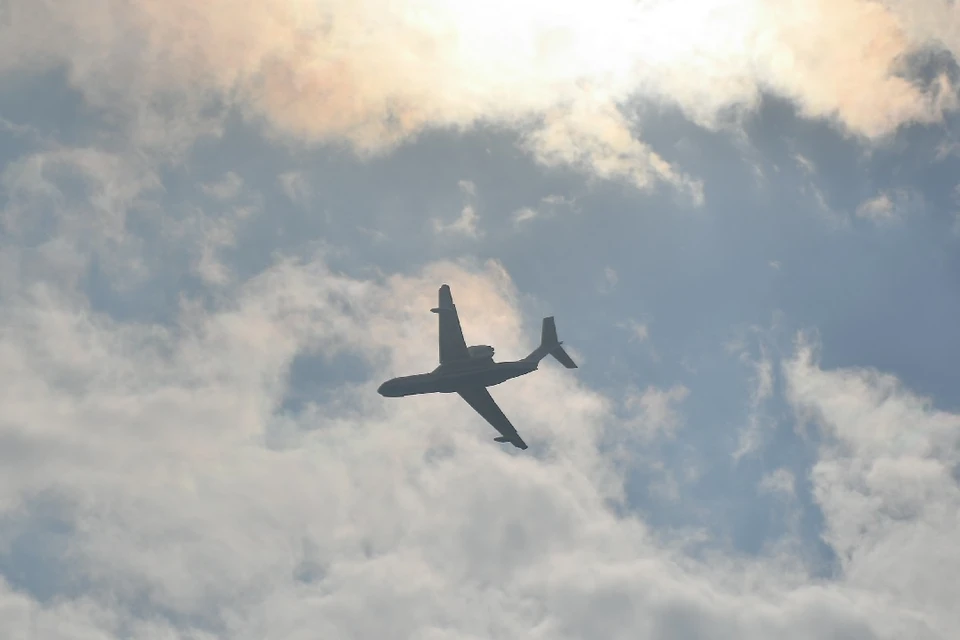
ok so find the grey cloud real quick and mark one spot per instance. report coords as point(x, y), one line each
point(183, 520)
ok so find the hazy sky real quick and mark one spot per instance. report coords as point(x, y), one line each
point(224, 224)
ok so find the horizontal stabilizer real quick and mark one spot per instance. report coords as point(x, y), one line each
point(562, 357)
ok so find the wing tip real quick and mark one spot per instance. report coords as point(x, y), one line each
point(516, 441)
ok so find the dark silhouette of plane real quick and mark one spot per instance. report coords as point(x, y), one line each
point(470, 370)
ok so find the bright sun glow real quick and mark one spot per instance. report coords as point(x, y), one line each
point(529, 55)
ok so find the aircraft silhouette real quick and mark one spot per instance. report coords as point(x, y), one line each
point(468, 371)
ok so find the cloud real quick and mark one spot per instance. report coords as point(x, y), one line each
point(465, 225)
point(844, 60)
point(750, 438)
point(609, 281)
point(179, 495)
point(468, 188)
point(226, 188)
point(600, 140)
point(172, 497)
point(877, 209)
point(889, 206)
point(835, 218)
point(780, 481)
point(639, 332)
point(375, 74)
point(66, 204)
point(547, 207)
point(885, 482)
point(157, 482)
point(296, 187)
point(655, 410)
point(805, 164)
point(523, 214)
point(207, 232)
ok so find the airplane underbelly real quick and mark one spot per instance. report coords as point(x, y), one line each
point(417, 385)
point(476, 378)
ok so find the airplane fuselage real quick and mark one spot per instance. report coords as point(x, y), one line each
point(454, 376)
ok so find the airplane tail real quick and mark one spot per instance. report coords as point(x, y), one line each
point(550, 345)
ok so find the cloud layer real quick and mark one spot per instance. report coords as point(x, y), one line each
point(164, 487)
point(373, 74)
point(161, 479)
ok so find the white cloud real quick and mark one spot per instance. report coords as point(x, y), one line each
point(948, 147)
point(555, 200)
point(547, 207)
point(780, 481)
point(884, 482)
point(468, 188)
point(805, 163)
point(296, 186)
point(465, 225)
point(149, 444)
point(654, 411)
point(227, 188)
point(878, 209)
point(523, 214)
point(889, 206)
point(599, 139)
point(66, 205)
point(750, 438)
point(835, 218)
point(610, 280)
point(640, 332)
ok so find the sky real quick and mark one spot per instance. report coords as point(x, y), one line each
point(223, 225)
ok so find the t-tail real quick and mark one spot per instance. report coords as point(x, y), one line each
point(549, 345)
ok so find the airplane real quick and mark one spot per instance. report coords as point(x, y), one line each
point(468, 371)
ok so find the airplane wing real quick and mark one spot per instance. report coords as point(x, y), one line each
point(452, 344)
point(482, 402)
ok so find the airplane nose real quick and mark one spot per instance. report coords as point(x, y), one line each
point(381, 389)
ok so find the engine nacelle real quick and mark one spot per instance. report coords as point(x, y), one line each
point(480, 351)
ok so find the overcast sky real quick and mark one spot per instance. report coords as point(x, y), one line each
point(223, 225)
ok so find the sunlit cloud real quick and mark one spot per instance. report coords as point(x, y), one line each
point(374, 74)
